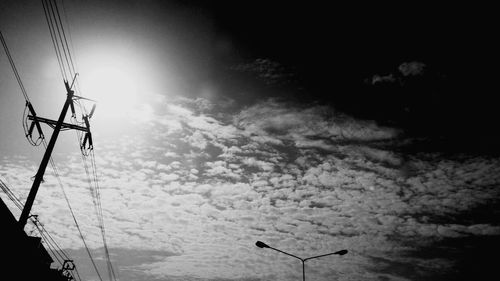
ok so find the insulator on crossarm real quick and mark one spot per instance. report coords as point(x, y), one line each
point(92, 111)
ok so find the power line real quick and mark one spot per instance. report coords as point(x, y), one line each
point(60, 41)
point(14, 69)
point(58, 24)
point(96, 180)
point(72, 47)
point(64, 37)
point(94, 189)
point(55, 43)
point(11, 195)
point(56, 174)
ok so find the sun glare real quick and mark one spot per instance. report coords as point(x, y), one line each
point(115, 89)
point(118, 82)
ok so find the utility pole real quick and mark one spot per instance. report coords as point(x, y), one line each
point(59, 124)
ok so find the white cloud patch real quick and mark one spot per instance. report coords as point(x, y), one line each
point(266, 166)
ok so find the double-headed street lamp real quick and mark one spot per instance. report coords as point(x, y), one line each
point(261, 244)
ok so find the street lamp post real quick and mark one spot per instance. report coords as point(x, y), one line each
point(261, 244)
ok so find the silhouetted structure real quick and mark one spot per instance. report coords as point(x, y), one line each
point(24, 257)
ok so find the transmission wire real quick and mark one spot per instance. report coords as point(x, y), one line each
point(57, 24)
point(53, 36)
point(14, 69)
point(64, 36)
point(56, 173)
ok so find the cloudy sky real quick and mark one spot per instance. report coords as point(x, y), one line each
point(312, 128)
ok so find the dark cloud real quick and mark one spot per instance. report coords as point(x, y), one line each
point(412, 68)
point(405, 69)
point(383, 78)
point(306, 126)
point(270, 72)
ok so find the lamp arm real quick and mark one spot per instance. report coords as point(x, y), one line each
point(310, 258)
point(287, 254)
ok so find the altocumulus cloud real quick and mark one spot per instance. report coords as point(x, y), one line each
point(199, 189)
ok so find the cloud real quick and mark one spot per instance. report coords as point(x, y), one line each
point(266, 166)
point(269, 71)
point(276, 121)
point(383, 79)
point(412, 68)
point(220, 169)
point(405, 70)
point(306, 180)
point(197, 139)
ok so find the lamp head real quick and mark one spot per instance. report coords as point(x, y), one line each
point(341, 252)
point(261, 244)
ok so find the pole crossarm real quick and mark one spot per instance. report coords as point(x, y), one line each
point(53, 123)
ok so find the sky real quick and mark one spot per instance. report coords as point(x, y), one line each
point(311, 127)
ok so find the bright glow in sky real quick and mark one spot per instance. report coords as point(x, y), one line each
point(115, 88)
point(119, 82)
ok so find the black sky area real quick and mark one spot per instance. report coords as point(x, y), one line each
point(335, 49)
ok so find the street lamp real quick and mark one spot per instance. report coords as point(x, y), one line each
point(261, 244)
